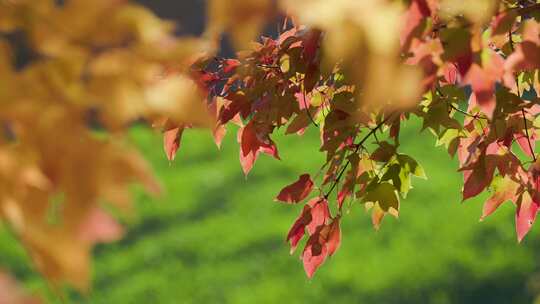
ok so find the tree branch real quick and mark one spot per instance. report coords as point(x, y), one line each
point(475, 116)
point(518, 94)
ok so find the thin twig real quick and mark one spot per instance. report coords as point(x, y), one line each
point(466, 113)
point(358, 146)
point(511, 41)
point(307, 108)
point(527, 134)
point(269, 66)
point(449, 104)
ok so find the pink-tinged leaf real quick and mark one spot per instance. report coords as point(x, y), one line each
point(482, 82)
point(377, 216)
point(303, 100)
point(312, 261)
point(171, 141)
point(477, 179)
point(503, 22)
point(466, 149)
point(295, 236)
point(523, 142)
point(323, 242)
point(417, 12)
point(205, 79)
point(525, 215)
point(11, 292)
point(270, 149)
point(99, 227)
point(286, 35)
point(314, 255)
point(219, 130)
point(423, 54)
point(297, 231)
point(249, 147)
point(319, 214)
point(534, 110)
point(526, 57)
point(219, 133)
point(504, 190)
point(251, 144)
point(229, 65)
point(247, 161)
point(507, 163)
point(527, 54)
point(296, 191)
point(235, 104)
point(451, 74)
point(334, 237)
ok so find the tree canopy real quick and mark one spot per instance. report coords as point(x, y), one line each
point(354, 70)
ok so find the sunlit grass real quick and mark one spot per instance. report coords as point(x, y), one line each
point(215, 237)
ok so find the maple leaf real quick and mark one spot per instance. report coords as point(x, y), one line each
point(230, 65)
point(319, 214)
point(414, 17)
point(99, 227)
point(334, 237)
point(220, 130)
point(525, 215)
point(236, 103)
point(314, 255)
point(477, 177)
point(331, 68)
point(451, 73)
point(251, 144)
point(296, 191)
point(526, 55)
point(297, 231)
point(382, 198)
point(321, 244)
point(171, 141)
point(524, 141)
point(503, 22)
point(482, 81)
point(504, 189)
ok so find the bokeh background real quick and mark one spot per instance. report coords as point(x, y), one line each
point(217, 237)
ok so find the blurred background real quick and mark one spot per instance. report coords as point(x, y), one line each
point(216, 237)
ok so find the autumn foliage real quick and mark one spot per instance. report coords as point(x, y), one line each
point(355, 70)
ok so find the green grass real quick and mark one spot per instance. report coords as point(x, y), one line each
point(215, 237)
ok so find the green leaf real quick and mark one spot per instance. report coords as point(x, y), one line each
point(411, 165)
point(385, 195)
point(285, 63)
